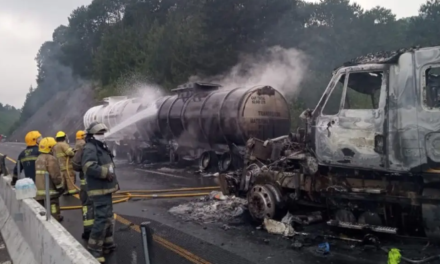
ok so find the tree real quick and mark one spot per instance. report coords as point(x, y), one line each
point(112, 42)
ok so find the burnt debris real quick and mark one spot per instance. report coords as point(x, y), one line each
point(381, 57)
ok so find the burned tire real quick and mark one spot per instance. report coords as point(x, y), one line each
point(225, 162)
point(129, 157)
point(208, 161)
point(139, 157)
point(174, 158)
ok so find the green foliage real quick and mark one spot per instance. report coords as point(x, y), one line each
point(9, 115)
point(167, 41)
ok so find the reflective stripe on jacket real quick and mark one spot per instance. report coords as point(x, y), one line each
point(63, 151)
point(96, 161)
point(46, 163)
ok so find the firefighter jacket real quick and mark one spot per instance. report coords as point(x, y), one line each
point(63, 151)
point(78, 146)
point(47, 163)
point(96, 161)
point(26, 160)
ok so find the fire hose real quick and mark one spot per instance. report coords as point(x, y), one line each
point(124, 196)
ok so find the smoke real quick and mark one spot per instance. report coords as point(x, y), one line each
point(283, 69)
point(136, 86)
point(55, 104)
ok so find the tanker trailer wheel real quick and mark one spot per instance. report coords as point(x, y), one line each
point(139, 157)
point(225, 162)
point(114, 150)
point(173, 156)
point(207, 160)
point(130, 156)
point(431, 215)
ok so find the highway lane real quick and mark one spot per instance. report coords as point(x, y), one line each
point(179, 241)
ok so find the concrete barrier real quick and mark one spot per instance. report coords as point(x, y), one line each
point(31, 239)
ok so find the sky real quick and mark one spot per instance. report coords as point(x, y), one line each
point(26, 24)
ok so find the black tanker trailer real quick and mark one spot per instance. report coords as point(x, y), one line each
point(199, 121)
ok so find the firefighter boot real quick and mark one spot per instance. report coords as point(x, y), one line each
point(109, 243)
point(97, 255)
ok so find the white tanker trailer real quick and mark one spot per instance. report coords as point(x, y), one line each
point(199, 121)
point(112, 112)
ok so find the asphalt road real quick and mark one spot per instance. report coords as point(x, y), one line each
point(177, 241)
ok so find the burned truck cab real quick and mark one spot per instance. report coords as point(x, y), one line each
point(369, 154)
point(381, 113)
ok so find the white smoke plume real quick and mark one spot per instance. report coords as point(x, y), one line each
point(136, 85)
point(283, 69)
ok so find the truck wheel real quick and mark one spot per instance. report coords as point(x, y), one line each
point(114, 151)
point(173, 157)
point(207, 160)
point(225, 162)
point(130, 156)
point(139, 157)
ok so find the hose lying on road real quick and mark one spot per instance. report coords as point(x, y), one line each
point(124, 196)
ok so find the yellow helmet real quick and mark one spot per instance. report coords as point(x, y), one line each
point(32, 138)
point(46, 145)
point(60, 134)
point(81, 134)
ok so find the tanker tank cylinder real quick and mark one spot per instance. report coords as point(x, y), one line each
point(202, 116)
point(113, 112)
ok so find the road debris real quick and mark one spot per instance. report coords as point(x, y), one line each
point(323, 248)
point(216, 195)
point(278, 228)
point(394, 256)
point(215, 208)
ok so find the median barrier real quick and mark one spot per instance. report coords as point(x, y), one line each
point(30, 238)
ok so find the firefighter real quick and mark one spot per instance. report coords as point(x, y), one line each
point(87, 205)
point(64, 153)
point(98, 168)
point(47, 163)
point(80, 139)
point(26, 159)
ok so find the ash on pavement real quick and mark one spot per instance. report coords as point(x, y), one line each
point(214, 208)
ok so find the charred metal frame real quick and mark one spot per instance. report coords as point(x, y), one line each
point(370, 168)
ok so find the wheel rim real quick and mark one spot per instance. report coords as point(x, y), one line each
point(261, 202)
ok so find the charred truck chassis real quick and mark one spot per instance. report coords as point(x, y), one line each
point(198, 122)
point(369, 154)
